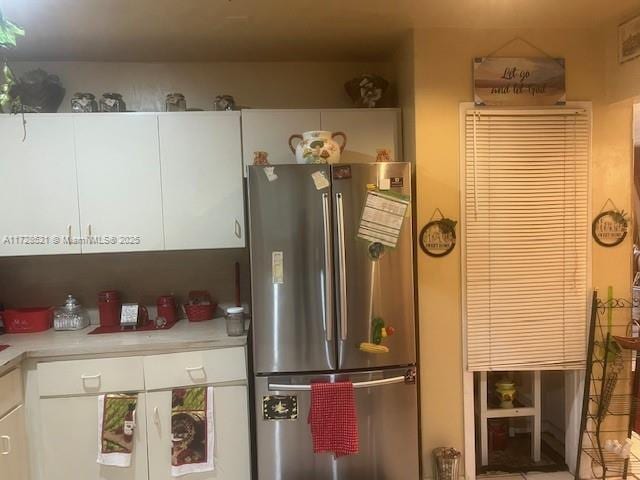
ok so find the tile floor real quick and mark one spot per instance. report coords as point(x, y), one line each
point(528, 476)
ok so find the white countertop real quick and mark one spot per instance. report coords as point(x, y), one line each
point(184, 335)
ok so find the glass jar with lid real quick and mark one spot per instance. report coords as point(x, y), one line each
point(112, 102)
point(235, 321)
point(84, 103)
point(70, 316)
point(175, 102)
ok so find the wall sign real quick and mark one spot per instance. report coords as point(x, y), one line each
point(629, 40)
point(438, 237)
point(512, 81)
point(610, 227)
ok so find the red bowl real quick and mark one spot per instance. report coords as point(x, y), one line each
point(27, 320)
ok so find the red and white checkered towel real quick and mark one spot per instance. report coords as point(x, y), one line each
point(333, 419)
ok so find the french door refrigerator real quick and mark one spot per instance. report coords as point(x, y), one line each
point(321, 284)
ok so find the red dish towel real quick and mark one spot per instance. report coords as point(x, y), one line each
point(333, 420)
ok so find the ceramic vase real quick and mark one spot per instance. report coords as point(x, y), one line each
point(506, 390)
point(317, 146)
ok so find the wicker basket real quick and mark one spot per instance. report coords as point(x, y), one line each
point(200, 306)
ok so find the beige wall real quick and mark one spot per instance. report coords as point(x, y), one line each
point(443, 79)
point(253, 84)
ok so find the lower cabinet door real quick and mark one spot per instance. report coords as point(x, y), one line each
point(14, 463)
point(70, 429)
point(231, 435)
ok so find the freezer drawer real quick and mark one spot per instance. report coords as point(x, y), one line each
point(387, 423)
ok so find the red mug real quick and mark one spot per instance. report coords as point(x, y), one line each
point(167, 308)
point(109, 306)
point(143, 316)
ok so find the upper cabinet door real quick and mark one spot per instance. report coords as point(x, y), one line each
point(202, 187)
point(269, 131)
point(38, 197)
point(367, 131)
point(119, 182)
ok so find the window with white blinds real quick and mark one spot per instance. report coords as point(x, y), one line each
point(525, 228)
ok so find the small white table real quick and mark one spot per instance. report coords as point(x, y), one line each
point(534, 411)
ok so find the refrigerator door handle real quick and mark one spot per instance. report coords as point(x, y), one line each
point(372, 383)
point(342, 267)
point(328, 268)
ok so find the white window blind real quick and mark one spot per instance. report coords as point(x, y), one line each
point(525, 202)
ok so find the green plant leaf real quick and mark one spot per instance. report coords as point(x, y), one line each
point(620, 216)
point(9, 32)
point(449, 224)
point(7, 81)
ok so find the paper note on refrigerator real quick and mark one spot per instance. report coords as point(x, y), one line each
point(320, 180)
point(277, 268)
point(382, 218)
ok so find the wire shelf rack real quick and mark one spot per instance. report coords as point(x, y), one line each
point(609, 403)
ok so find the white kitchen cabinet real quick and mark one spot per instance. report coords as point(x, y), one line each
point(231, 435)
point(69, 428)
point(14, 460)
point(38, 196)
point(269, 131)
point(118, 167)
point(11, 391)
point(187, 369)
point(367, 130)
point(66, 420)
point(202, 187)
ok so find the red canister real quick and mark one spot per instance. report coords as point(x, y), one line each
point(109, 306)
point(167, 308)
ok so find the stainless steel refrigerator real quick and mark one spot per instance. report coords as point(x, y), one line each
point(320, 282)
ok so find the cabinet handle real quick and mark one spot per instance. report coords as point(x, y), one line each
point(69, 233)
point(89, 230)
point(238, 230)
point(156, 416)
point(199, 368)
point(194, 369)
point(6, 439)
point(84, 379)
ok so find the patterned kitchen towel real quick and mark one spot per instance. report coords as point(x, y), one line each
point(333, 419)
point(116, 428)
point(192, 434)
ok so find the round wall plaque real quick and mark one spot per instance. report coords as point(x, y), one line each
point(610, 228)
point(438, 237)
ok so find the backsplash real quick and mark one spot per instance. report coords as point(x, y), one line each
point(139, 277)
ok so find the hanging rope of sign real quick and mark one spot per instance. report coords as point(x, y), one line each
point(610, 226)
point(438, 237)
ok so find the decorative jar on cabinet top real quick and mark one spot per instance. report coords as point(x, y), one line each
point(317, 146)
point(506, 390)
